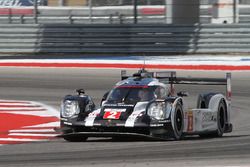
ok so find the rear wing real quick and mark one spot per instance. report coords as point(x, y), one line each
point(206, 81)
point(169, 77)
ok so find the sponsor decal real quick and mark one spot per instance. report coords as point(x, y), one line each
point(120, 124)
point(115, 110)
point(111, 113)
point(133, 117)
point(208, 120)
point(190, 117)
point(67, 123)
point(89, 121)
point(118, 105)
point(207, 117)
point(156, 125)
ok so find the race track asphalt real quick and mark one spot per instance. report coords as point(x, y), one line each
point(50, 85)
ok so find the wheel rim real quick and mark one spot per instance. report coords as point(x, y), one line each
point(178, 121)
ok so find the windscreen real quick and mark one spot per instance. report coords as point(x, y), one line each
point(131, 95)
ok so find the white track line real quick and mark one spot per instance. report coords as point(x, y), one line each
point(48, 110)
point(14, 102)
point(52, 111)
point(21, 108)
point(31, 130)
point(51, 124)
point(19, 139)
point(195, 60)
point(45, 113)
point(32, 134)
point(17, 104)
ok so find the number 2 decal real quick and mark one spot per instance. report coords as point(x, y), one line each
point(112, 115)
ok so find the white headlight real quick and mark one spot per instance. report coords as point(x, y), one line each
point(157, 110)
point(70, 108)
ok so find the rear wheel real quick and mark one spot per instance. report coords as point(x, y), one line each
point(221, 122)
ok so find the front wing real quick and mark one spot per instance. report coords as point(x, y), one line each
point(155, 130)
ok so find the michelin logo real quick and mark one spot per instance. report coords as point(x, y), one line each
point(208, 116)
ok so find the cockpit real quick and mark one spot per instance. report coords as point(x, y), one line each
point(133, 94)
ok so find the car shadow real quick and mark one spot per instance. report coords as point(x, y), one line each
point(151, 139)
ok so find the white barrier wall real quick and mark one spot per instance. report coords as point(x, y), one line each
point(224, 11)
point(188, 11)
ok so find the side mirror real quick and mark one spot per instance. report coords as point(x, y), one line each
point(104, 98)
point(182, 94)
point(80, 91)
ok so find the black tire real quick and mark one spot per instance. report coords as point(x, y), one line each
point(177, 129)
point(221, 122)
point(221, 119)
point(75, 138)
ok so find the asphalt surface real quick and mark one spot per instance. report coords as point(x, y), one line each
point(50, 85)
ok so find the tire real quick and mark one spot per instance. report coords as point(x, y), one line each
point(221, 119)
point(75, 138)
point(221, 122)
point(177, 129)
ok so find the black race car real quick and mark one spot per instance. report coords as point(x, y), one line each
point(146, 105)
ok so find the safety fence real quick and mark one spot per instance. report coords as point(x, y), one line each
point(124, 38)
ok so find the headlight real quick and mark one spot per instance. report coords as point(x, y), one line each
point(159, 110)
point(70, 108)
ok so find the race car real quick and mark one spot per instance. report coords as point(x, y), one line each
point(146, 104)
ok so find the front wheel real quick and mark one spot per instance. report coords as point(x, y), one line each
point(177, 123)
